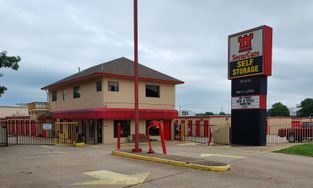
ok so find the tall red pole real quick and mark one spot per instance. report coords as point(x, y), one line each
point(162, 139)
point(136, 149)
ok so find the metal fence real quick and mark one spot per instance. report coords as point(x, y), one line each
point(285, 133)
point(207, 134)
point(66, 132)
point(3, 136)
point(30, 133)
point(276, 134)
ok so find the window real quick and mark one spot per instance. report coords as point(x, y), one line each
point(99, 85)
point(64, 94)
point(76, 92)
point(154, 131)
point(125, 128)
point(153, 91)
point(113, 86)
point(54, 96)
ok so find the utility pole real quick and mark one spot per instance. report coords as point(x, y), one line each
point(137, 148)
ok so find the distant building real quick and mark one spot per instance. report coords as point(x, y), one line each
point(37, 109)
point(294, 110)
point(185, 112)
point(14, 110)
point(33, 110)
point(26, 119)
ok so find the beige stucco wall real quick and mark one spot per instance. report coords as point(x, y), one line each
point(108, 131)
point(90, 98)
point(221, 135)
point(220, 121)
point(125, 97)
point(13, 111)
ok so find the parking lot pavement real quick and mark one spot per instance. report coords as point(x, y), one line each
point(94, 166)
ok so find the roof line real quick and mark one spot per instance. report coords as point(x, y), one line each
point(110, 75)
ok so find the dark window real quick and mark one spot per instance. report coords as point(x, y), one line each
point(76, 92)
point(125, 128)
point(154, 131)
point(99, 85)
point(113, 86)
point(54, 95)
point(153, 91)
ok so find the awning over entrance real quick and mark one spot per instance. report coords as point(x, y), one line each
point(115, 113)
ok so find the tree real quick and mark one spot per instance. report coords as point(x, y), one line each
point(222, 113)
point(208, 113)
point(278, 109)
point(205, 114)
point(8, 62)
point(306, 108)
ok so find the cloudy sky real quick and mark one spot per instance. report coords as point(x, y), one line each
point(183, 38)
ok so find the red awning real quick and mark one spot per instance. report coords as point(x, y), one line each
point(115, 113)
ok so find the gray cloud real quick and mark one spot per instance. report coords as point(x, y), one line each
point(185, 39)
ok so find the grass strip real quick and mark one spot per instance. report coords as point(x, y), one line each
point(303, 149)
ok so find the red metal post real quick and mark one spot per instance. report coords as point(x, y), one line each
point(162, 139)
point(157, 124)
point(149, 142)
point(118, 135)
point(136, 149)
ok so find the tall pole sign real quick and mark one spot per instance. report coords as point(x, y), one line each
point(136, 79)
point(249, 65)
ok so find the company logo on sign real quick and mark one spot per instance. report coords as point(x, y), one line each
point(245, 42)
point(246, 55)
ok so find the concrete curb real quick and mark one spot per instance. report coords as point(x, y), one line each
point(80, 145)
point(141, 143)
point(64, 145)
point(173, 162)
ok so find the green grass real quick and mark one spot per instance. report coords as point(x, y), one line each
point(303, 149)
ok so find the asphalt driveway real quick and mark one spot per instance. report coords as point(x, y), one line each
point(94, 166)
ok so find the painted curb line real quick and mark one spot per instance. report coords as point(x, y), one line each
point(80, 145)
point(141, 143)
point(173, 162)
